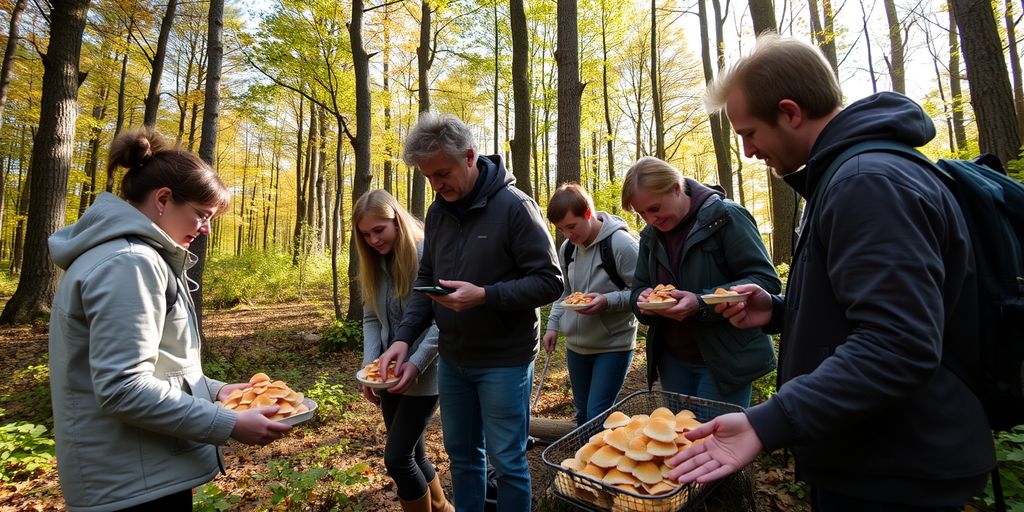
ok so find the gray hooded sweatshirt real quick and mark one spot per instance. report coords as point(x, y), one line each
point(615, 329)
point(133, 413)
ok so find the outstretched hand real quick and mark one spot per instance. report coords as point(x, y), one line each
point(756, 311)
point(730, 443)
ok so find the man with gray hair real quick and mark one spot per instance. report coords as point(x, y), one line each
point(881, 295)
point(488, 250)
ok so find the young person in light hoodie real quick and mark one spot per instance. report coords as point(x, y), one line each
point(136, 426)
point(600, 338)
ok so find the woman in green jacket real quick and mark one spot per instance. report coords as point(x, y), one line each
point(697, 241)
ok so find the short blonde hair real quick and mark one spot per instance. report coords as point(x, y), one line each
point(653, 174)
point(779, 68)
point(405, 256)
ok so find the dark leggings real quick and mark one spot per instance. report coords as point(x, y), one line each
point(181, 500)
point(406, 417)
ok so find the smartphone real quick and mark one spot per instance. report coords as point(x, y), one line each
point(436, 290)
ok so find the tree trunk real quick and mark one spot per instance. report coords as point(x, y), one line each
point(1018, 86)
point(360, 145)
point(496, 80)
point(12, 46)
point(723, 120)
point(570, 90)
point(867, 45)
point(388, 138)
point(21, 208)
point(895, 62)
point(719, 138)
point(98, 113)
point(829, 46)
point(782, 198)
point(301, 172)
point(609, 135)
point(823, 35)
point(762, 14)
point(52, 152)
point(659, 121)
point(991, 95)
point(208, 144)
point(424, 59)
point(956, 97)
point(336, 233)
point(521, 95)
point(119, 124)
point(153, 97)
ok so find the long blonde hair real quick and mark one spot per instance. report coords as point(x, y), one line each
point(405, 258)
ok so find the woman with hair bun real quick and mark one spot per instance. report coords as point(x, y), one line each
point(136, 426)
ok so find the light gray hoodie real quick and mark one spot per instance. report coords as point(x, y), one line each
point(614, 329)
point(377, 335)
point(133, 413)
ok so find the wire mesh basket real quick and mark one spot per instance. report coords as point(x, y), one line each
point(590, 494)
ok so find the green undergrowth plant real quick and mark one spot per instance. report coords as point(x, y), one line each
point(257, 277)
point(211, 498)
point(342, 335)
point(27, 394)
point(26, 449)
point(331, 397)
point(320, 488)
point(1010, 459)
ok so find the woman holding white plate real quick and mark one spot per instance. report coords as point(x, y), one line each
point(389, 241)
point(697, 241)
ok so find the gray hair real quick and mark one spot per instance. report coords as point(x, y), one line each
point(438, 132)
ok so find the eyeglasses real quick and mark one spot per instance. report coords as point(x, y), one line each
point(202, 217)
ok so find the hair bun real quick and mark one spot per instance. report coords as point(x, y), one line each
point(134, 148)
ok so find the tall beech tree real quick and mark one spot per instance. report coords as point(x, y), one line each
point(52, 150)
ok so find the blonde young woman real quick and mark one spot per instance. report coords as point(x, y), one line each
point(389, 240)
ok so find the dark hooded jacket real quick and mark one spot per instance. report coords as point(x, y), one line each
point(500, 242)
point(880, 283)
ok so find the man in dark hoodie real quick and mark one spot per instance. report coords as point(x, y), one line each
point(487, 242)
point(879, 286)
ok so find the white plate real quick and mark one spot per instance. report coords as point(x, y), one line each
point(575, 307)
point(718, 298)
point(361, 377)
point(301, 418)
point(654, 306)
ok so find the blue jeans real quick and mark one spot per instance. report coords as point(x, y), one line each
point(492, 405)
point(695, 380)
point(596, 380)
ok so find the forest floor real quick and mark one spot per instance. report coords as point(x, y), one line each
point(332, 462)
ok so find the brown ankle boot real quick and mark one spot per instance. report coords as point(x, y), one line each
point(438, 503)
point(418, 505)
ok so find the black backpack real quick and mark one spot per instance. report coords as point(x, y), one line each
point(607, 260)
point(993, 207)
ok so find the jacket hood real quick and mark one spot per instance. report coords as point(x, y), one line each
point(111, 217)
point(884, 116)
point(611, 224)
point(496, 177)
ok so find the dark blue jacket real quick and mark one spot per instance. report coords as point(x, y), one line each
point(875, 292)
point(502, 244)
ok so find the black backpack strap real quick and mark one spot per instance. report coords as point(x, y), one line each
point(608, 261)
point(171, 292)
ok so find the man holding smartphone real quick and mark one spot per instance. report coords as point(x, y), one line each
point(488, 243)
